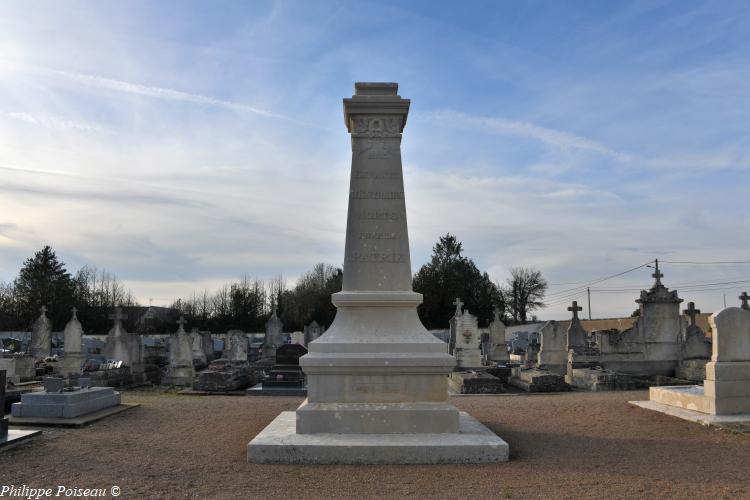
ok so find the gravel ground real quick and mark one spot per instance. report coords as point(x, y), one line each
point(568, 445)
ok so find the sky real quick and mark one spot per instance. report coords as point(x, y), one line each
point(184, 145)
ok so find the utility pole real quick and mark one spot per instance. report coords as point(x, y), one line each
point(588, 290)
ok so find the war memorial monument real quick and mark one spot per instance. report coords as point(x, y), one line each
point(377, 379)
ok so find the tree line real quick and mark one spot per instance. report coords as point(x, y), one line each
point(247, 303)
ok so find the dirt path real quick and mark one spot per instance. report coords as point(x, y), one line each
point(570, 445)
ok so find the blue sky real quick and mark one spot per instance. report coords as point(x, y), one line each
point(183, 145)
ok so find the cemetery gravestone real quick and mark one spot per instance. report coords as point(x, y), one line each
point(73, 358)
point(181, 371)
point(41, 336)
point(498, 346)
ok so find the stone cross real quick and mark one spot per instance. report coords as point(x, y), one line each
point(458, 305)
point(43, 310)
point(691, 312)
point(181, 322)
point(657, 274)
point(744, 297)
point(574, 309)
point(118, 316)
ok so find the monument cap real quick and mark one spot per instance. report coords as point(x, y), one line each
point(375, 88)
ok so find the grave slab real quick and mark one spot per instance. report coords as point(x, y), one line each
point(279, 443)
point(692, 415)
point(75, 421)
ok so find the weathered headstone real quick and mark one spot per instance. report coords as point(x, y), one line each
point(312, 332)
point(236, 349)
point(453, 325)
point(498, 346)
point(553, 348)
point(298, 338)
point(200, 359)
point(377, 372)
point(274, 335)
point(73, 358)
point(41, 336)
point(124, 347)
point(181, 369)
point(576, 335)
point(467, 352)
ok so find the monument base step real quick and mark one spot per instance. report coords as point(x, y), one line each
point(16, 436)
point(279, 443)
point(692, 415)
point(74, 421)
point(260, 390)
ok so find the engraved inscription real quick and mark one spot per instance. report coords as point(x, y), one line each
point(378, 176)
point(377, 236)
point(377, 257)
point(376, 195)
point(380, 389)
point(377, 126)
point(378, 215)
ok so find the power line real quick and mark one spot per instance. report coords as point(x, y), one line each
point(688, 262)
point(589, 283)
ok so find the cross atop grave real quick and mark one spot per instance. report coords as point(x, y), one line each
point(658, 275)
point(458, 305)
point(74, 311)
point(575, 308)
point(497, 313)
point(691, 312)
point(118, 316)
point(43, 310)
point(744, 297)
point(181, 322)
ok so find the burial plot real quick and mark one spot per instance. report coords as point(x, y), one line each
point(10, 436)
point(725, 394)
point(286, 378)
point(696, 351)
point(377, 379)
point(230, 373)
point(58, 405)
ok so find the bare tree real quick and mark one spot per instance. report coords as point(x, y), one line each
point(524, 292)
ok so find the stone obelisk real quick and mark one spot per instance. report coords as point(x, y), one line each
point(377, 379)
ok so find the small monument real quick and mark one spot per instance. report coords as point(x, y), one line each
point(181, 371)
point(498, 347)
point(467, 352)
point(377, 379)
point(200, 359)
point(725, 394)
point(312, 332)
point(56, 404)
point(274, 336)
point(696, 350)
point(744, 298)
point(236, 350)
point(74, 357)
point(123, 347)
point(553, 347)
point(576, 335)
point(453, 325)
point(298, 338)
point(286, 378)
point(41, 336)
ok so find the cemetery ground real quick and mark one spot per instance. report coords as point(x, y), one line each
point(570, 445)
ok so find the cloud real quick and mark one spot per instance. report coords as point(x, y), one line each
point(146, 90)
point(54, 122)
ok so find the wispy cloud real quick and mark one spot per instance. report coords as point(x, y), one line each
point(54, 122)
point(146, 90)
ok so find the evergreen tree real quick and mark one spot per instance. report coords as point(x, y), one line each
point(44, 281)
point(450, 275)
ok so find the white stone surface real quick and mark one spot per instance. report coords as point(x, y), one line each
point(181, 369)
point(197, 346)
point(376, 360)
point(498, 346)
point(692, 415)
point(279, 443)
point(553, 349)
point(41, 336)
